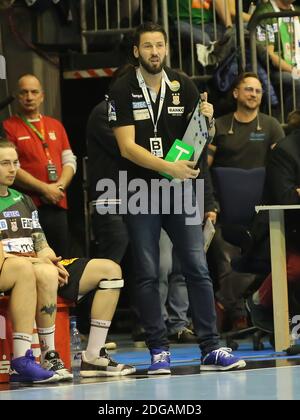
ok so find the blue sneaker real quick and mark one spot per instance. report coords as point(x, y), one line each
point(160, 362)
point(25, 369)
point(221, 359)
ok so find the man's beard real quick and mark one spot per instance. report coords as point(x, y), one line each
point(150, 69)
point(248, 107)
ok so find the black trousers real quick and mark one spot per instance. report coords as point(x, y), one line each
point(111, 236)
point(230, 286)
point(54, 222)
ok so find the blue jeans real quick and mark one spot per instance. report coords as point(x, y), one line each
point(144, 232)
point(200, 36)
point(172, 288)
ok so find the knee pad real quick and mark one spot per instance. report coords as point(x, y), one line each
point(111, 284)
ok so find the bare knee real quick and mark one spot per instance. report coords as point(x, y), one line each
point(20, 265)
point(96, 270)
point(111, 270)
point(17, 271)
point(46, 277)
point(103, 269)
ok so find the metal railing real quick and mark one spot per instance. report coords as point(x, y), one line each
point(105, 17)
point(110, 17)
point(189, 33)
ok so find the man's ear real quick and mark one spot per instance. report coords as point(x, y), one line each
point(235, 93)
point(135, 51)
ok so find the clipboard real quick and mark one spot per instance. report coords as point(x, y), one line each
point(194, 139)
point(208, 233)
point(196, 133)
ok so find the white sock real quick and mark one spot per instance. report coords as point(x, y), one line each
point(46, 338)
point(97, 337)
point(21, 343)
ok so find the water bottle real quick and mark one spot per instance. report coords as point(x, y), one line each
point(75, 346)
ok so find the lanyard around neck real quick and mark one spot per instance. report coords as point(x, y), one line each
point(143, 86)
point(40, 134)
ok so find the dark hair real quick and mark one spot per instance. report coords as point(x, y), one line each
point(147, 27)
point(293, 120)
point(241, 77)
point(4, 143)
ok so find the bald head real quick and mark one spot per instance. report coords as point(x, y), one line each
point(30, 95)
point(29, 78)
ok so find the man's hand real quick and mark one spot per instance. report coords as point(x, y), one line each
point(183, 169)
point(63, 275)
point(40, 260)
point(52, 193)
point(206, 108)
point(212, 215)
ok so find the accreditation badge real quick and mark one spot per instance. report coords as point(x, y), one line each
point(156, 146)
point(52, 172)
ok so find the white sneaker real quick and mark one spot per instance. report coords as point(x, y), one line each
point(103, 365)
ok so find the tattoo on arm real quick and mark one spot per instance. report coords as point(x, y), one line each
point(49, 309)
point(39, 241)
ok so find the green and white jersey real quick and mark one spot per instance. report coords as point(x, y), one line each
point(18, 222)
point(273, 31)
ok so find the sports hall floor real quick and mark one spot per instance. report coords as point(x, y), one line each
point(268, 376)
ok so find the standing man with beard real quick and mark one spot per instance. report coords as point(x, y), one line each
point(148, 110)
point(243, 139)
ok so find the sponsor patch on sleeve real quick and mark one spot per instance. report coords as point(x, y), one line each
point(35, 220)
point(112, 116)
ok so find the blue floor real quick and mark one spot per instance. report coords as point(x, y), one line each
point(268, 376)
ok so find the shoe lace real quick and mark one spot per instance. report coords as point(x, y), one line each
point(223, 352)
point(104, 353)
point(57, 364)
point(52, 358)
point(161, 357)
